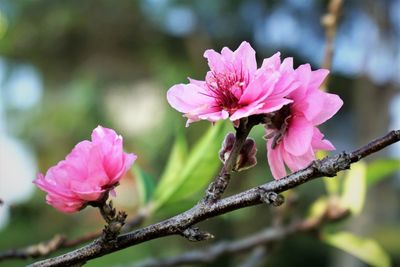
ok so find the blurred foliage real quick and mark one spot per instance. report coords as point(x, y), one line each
point(363, 248)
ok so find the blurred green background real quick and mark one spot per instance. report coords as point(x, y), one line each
point(68, 66)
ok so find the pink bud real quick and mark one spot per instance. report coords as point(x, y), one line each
point(91, 170)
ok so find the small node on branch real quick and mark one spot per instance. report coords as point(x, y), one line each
point(271, 198)
point(195, 234)
point(330, 166)
point(114, 220)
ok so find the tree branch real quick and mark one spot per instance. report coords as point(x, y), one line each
point(328, 166)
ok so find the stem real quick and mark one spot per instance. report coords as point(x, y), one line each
point(217, 187)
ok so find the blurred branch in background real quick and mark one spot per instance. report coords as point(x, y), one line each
point(329, 21)
point(256, 257)
point(179, 224)
point(61, 242)
point(263, 238)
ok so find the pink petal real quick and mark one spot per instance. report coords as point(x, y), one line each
point(297, 139)
point(215, 61)
point(296, 163)
point(215, 116)
point(189, 98)
point(245, 59)
point(246, 111)
point(272, 63)
point(63, 205)
point(275, 161)
point(201, 84)
point(319, 143)
point(96, 171)
point(321, 106)
point(87, 191)
point(317, 77)
point(127, 162)
point(271, 105)
point(104, 135)
point(259, 89)
point(303, 73)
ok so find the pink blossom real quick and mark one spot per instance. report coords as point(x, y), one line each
point(291, 132)
point(90, 171)
point(234, 88)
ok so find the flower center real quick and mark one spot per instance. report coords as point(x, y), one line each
point(226, 88)
point(278, 121)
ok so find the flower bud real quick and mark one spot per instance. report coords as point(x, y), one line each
point(247, 156)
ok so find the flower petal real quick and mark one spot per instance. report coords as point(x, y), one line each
point(297, 139)
point(321, 106)
point(245, 59)
point(188, 97)
point(319, 143)
point(275, 160)
point(296, 163)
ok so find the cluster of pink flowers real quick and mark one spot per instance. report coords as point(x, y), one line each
point(290, 98)
point(88, 173)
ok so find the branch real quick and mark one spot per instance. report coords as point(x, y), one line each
point(329, 21)
point(256, 258)
point(61, 242)
point(254, 242)
point(211, 254)
point(328, 166)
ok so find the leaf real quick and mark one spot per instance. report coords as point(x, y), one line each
point(380, 169)
point(171, 175)
point(354, 188)
point(145, 184)
point(190, 176)
point(331, 185)
point(202, 163)
point(367, 250)
point(318, 208)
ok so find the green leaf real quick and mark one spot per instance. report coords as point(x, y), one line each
point(318, 208)
point(367, 250)
point(187, 177)
point(331, 185)
point(145, 184)
point(202, 163)
point(354, 188)
point(172, 172)
point(380, 169)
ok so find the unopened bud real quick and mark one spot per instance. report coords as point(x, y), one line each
point(247, 156)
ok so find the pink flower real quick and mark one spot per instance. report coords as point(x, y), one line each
point(90, 171)
point(291, 132)
point(233, 88)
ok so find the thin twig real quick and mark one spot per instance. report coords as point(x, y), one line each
point(48, 247)
point(329, 21)
point(328, 166)
point(217, 187)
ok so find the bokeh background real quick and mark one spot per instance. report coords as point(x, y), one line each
point(68, 66)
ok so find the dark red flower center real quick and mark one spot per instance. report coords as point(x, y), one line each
point(226, 89)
